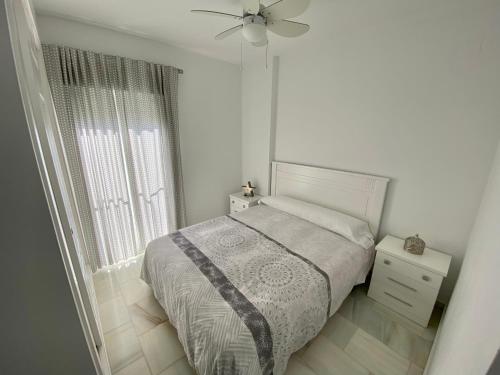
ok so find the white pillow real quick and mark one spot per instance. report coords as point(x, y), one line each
point(351, 228)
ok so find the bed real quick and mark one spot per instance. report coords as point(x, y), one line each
point(247, 290)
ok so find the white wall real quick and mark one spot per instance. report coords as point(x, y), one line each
point(209, 109)
point(258, 123)
point(403, 89)
point(470, 333)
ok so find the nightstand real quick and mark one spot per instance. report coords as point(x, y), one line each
point(238, 202)
point(407, 283)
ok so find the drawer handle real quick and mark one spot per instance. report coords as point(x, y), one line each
point(387, 261)
point(244, 206)
point(426, 278)
point(400, 283)
point(232, 202)
point(399, 299)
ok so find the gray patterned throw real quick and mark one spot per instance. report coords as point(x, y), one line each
point(244, 292)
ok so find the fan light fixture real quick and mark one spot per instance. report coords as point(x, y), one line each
point(254, 29)
point(256, 19)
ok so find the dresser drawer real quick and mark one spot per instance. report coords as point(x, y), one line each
point(237, 205)
point(424, 277)
point(412, 289)
point(414, 308)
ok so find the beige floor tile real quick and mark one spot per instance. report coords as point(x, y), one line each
point(297, 367)
point(400, 339)
point(122, 346)
point(339, 330)
point(420, 352)
point(299, 353)
point(129, 271)
point(362, 312)
point(135, 290)
point(104, 278)
point(161, 347)
point(180, 367)
point(107, 292)
point(415, 370)
point(147, 314)
point(325, 358)
point(139, 367)
point(347, 307)
point(366, 317)
point(374, 355)
point(113, 313)
point(407, 343)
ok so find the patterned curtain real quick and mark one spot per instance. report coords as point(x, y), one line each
point(118, 123)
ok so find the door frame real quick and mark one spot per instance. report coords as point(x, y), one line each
point(42, 124)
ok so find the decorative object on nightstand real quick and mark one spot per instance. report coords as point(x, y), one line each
point(414, 245)
point(239, 202)
point(405, 282)
point(248, 189)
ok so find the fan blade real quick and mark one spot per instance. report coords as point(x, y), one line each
point(213, 13)
point(288, 29)
point(228, 32)
point(251, 6)
point(284, 9)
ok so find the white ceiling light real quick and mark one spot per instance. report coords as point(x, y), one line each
point(254, 29)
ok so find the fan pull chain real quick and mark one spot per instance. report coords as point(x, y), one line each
point(267, 53)
point(241, 54)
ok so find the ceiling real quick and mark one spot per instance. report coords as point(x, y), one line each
point(171, 22)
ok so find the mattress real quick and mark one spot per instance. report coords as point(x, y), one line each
point(248, 290)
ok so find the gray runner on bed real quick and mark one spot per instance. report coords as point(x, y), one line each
point(246, 291)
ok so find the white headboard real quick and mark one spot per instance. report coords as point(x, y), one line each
point(356, 194)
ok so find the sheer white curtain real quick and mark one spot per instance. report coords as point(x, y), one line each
point(118, 123)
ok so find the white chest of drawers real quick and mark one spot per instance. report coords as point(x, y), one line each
point(238, 202)
point(407, 283)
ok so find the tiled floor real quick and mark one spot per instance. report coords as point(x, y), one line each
point(363, 337)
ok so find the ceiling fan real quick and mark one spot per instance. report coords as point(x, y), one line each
point(257, 19)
